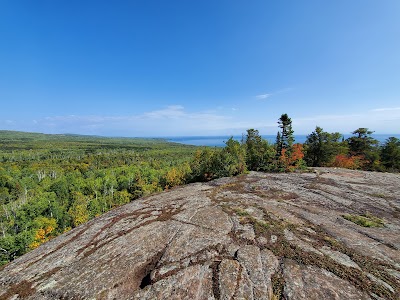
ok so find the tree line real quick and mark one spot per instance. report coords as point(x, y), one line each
point(321, 149)
point(50, 184)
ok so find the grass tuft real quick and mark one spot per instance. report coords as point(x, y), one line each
point(366, 220)
point(241, 213)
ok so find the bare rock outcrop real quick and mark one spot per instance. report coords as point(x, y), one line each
point(259, 236)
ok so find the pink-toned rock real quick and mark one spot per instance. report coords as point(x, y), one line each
point(308, 282)
point(258, 236)
point(250, 258)
point(229, 271)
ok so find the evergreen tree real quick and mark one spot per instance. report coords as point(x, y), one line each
point(259, 153)
point(285, 138)
point(362, 142)
point(253, 151)
point(363, 145)
point(390, 154)
point(321, 147)
point(278, 144)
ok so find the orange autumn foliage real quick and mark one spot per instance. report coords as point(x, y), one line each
point(42, 235)
point(294, 160)
point(297, 153)
point(45, 230)
point(348, 162)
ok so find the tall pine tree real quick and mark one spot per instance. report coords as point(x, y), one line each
point(284, 138)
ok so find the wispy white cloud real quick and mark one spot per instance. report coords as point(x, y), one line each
point(176, 120)
point(171, 120)
point(170, 112)
point(386, 109)
point(268, 95)
point(285, 90)
point(263, 96)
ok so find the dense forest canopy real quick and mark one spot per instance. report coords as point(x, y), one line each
point(52, 183)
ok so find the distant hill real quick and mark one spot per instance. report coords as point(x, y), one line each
point(20, 135)
point(10, 140)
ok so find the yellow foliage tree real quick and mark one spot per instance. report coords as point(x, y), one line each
point(176, 176)
point(121, 198)
point(45, 230)
point(79, 210)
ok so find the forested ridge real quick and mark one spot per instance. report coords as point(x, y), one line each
point(52, 183)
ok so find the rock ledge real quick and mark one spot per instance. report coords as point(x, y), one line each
point(259, 236)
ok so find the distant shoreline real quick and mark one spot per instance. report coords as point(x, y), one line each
point(218, 141)
point(210, 141)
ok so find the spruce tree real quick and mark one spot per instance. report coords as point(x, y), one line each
point(363, 145)
point(278, 144)
point(321, 147)
point(285, 138)
point(390, 154)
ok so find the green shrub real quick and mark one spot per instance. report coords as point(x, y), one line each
point(366, 220)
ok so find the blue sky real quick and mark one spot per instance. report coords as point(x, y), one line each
point(170, 68)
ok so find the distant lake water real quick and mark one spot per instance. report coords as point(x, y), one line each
point(218, 141)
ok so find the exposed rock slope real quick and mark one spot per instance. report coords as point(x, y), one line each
point(260, 236)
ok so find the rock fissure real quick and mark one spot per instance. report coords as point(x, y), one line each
point(287, 250)
point(149, 267)
point(193, 224)
point(61, 245)
point(238, 279)
point(94, 246)
point(215, 279)
point(278, 283)
point(23, 289)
